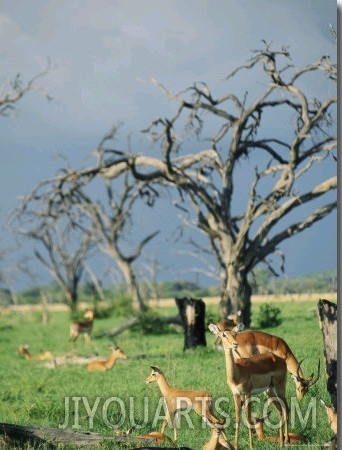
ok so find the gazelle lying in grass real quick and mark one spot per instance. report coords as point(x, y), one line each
point(177, 399)
point(82, 327)
point(258, 422)
point(217, 441)
point(43, 356)
point(107, 364)
point(154, 437)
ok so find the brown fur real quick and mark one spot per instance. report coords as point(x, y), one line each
point(107, 364)
point(23, 350)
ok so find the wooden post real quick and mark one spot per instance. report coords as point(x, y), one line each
point(327, 312)
point(45, 310)
point(192, 313)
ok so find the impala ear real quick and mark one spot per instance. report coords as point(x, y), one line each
point(213, 328)
point(294, 377)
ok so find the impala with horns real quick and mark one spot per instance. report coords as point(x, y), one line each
point(246, 376)
point(82, 327)
point(258, 342)
point(177, 399)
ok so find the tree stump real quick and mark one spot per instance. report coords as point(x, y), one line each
point(327, 312)
point(192, 313)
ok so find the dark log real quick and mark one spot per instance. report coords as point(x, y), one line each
point(327, 312)
point(192, 314)
point(131, 323)
point(117, 330)
point(53, 437)
point(18, 436)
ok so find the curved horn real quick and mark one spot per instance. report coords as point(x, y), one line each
point(298, 367)
point(315, 379)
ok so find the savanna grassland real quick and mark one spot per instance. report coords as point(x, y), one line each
point(69, 396)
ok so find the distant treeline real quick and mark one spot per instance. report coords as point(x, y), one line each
point(263, 284)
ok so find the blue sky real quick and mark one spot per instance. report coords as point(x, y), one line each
point(104, 53)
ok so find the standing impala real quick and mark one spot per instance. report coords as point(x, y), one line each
point(258, 342)
point(82, 327)
point(107, 364)
point(246, 376)
point(178, 399)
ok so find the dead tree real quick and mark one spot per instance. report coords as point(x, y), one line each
point(233, 130)
point(192, 313)
point(61, 244)
point(327, 312)
point(12, 91)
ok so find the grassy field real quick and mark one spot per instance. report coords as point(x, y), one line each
point(69, 396)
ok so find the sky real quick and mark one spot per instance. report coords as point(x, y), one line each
point(103, 55)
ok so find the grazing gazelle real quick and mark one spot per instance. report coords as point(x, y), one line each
point(82, 327)
point(107, 364)
point(177, 399)
point(259, 373)
point(42, 356)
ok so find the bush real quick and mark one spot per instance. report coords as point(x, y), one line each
point(150, 322)
point(268, 316)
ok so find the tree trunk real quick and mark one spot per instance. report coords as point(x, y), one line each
point(327, 312)
point(192, 313)
point(71, 297)
point(236, 295)
point(137, 301)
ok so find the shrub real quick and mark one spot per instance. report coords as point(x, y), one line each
point(268, 316)
point(150, 322)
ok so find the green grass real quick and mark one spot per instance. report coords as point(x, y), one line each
point(35, 395)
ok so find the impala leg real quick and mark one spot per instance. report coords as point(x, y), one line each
point(165, 421)
point(247, 404)
point(286, 422)
point(175, 423)
point(280, 403)
point(238, 406)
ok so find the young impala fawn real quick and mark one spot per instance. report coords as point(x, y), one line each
point(258, 422)
point(82, 327)
point(177, 399)
point(23, 350)
point(217, 441)
point(246, 376)
point(107, 364)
